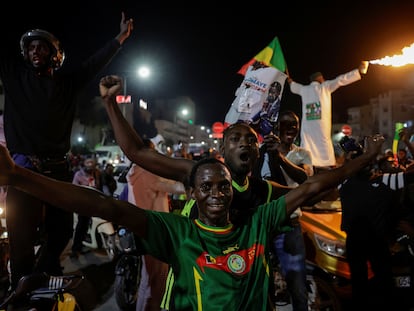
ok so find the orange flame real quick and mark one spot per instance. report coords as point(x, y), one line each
point(406, 58)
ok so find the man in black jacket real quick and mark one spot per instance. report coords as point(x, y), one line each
point(40, 105)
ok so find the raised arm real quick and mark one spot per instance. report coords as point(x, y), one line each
point(132, 144)
point(324, 181)
point(404, 135)
point(125, 28)
point(72, 198)
point(277, 159)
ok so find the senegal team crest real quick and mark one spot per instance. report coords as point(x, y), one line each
point(236, 264)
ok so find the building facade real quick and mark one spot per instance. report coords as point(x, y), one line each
point(381, 114)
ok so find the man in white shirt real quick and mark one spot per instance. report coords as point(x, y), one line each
point(316, 119)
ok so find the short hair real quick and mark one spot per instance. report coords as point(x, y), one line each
point(202, 162)
point(314, 75)
point(290, 113)
point(276, 85)
point(238, 123)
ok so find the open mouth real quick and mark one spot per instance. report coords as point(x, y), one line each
point(245, 156)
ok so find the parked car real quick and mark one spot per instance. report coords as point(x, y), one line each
point(325, 251)
point(326, 257)
point(109, 154)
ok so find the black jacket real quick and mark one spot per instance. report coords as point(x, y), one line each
point(39, 110)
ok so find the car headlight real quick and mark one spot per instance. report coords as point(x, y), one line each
point(332, 247)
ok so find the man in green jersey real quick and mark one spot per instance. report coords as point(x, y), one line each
point(217, 265)
point(240, 150)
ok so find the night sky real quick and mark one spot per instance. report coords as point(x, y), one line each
point(196, 50)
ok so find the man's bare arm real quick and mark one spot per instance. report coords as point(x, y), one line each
point(318, 183)
point(132, 144)
point(72, 198)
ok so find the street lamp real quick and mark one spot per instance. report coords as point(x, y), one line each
point(184, 113)
point(144, 72)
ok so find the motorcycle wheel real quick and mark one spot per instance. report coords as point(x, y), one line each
point(127, 280)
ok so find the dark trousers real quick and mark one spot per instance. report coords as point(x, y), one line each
point(80, 232)
point(364, 246)
point(27, 215)
point(290, 250)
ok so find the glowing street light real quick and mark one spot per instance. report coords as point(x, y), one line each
point(144, 72)
point(184, 112)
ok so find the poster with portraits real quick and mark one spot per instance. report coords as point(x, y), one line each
point(259, 93)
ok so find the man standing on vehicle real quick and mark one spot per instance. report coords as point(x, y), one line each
point(316, 126)
point(40, 105)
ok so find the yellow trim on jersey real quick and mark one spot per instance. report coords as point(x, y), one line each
point(241, 188)
point(269, 193)
point(187, 207)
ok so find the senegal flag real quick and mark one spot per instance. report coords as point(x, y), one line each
point(271, 56)
point(258, 98)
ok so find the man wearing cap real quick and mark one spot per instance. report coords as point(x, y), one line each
point(40, 105)
point(316, 119)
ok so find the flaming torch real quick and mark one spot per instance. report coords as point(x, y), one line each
point(405, 58)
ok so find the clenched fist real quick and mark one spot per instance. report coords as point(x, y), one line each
point(110, 86)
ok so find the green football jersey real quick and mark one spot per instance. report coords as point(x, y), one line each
point(217, 268)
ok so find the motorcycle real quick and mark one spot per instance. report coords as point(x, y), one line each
point(402, 251)
point(40, 291)
point(127, 270)
point(101, 234)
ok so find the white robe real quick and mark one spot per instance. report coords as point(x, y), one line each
point(316, 123)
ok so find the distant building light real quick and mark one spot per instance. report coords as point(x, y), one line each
point(143, 104)
point(123, 99)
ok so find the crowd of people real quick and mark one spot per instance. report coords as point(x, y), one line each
point(242, 202)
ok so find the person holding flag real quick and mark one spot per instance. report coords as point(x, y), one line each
point(263, 114)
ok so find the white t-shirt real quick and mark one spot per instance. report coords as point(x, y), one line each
point(297, 155)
